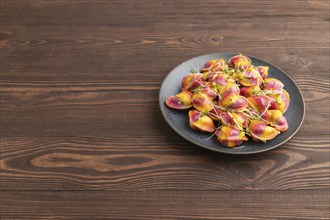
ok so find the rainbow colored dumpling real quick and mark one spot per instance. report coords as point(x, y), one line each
point(181, 100)
point(233, 100)
point(260, 131)
point(230, 136)
point(200, 122)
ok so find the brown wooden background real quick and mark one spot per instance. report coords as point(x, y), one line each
point(81, 132)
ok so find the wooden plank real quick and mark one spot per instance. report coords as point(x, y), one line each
point(103, 72)
point(122, 12)
point(116, 112)
point(99, 51)
point(56, 108)
point(158, 163)
point(311, 204)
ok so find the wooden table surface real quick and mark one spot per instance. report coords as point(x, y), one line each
point(82, 136)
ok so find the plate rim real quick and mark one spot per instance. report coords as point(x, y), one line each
point(234, 152)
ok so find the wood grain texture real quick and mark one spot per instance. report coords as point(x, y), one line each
point(166, 205)
point(82, 135)
point(157, 163)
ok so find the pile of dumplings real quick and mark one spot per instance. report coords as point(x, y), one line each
point(234, 100)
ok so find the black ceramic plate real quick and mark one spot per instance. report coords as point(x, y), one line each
point(178, 119)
